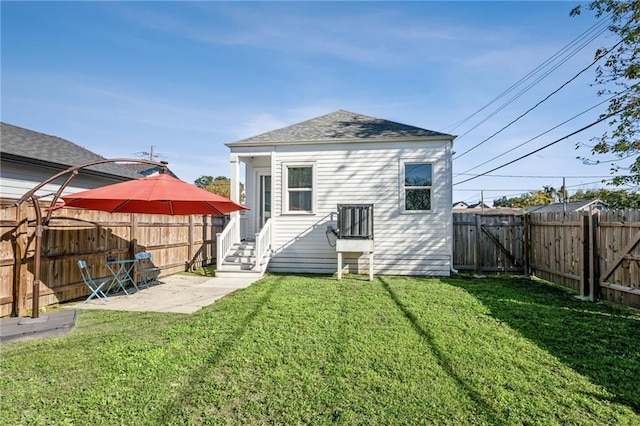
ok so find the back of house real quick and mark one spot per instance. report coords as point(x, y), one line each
point(297, 176)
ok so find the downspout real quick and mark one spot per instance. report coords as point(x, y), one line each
point(451, 268)
point(450, 166)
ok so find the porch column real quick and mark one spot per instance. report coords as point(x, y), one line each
point(235, 190)
point(235, 178)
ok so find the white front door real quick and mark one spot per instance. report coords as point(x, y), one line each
point(264, 199)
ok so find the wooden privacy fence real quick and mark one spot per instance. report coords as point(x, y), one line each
point(488, 243)
point(594, 253)
point(176, 243)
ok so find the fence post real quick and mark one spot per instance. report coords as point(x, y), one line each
point(587, 258)
point(133, 237)
point(478, 244)
point(594, 263)
point(526, 236)
point(21, 261)
point(190, 260)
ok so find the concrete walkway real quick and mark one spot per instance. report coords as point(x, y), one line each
point(180, 293)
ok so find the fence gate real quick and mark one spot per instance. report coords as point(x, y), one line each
point(619, 253)
point(489, 243)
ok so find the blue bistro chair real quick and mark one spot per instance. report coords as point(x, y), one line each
point(147, 270)
point(94, 285)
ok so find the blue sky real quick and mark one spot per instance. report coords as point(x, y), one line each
point(119, 77)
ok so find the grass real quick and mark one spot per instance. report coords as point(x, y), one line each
point(314, 350)
point(206, 271)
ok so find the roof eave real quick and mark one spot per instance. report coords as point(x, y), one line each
point(29, 161)
point(341, 141)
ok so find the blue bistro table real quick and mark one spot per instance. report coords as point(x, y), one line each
point(122, 274)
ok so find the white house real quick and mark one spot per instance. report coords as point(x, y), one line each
point(298, 175)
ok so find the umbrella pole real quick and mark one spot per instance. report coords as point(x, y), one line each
point(35, 295)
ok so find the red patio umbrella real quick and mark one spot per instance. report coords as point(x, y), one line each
point(158, 194)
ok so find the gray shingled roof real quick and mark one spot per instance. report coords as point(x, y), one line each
point(571, 206)
point(339, 126)
point(19, 142)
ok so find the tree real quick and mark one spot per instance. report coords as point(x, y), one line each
point(621, 70)
point(219, 185)
point(613, 199)
point(533, 198)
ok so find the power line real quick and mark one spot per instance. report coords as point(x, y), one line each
point(527, 88)
point(497, 190)
point(601, 119)
point(526, 191)
point(475, 197)
point(588, 183)
point(540, 135)
point(151, 154)
point(535, 176)
point(540, 102)
point(604, 179)
point(507, 193)
point(530, 190)
point(602, 23)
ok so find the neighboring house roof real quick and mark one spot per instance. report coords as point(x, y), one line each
point(572, 206)
point(478, 206)
point(340, 126)
point(460, 204)
point(145, 169)
point(20, 144)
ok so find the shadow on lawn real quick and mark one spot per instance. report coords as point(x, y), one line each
point(443, 359)
point(211, 362)
point(599, 341)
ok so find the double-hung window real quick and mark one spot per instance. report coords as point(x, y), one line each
point(299, 188)
point(417, 186)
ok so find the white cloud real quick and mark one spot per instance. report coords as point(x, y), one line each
point(379, 35)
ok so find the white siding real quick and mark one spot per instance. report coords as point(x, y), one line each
point(405, 243)
point(16, 180)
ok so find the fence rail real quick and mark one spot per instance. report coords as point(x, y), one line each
point(594, 253)
point(177, 243)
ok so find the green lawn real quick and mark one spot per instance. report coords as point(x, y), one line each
point(314, 350)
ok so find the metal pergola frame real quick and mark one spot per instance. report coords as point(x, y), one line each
point(42, 222)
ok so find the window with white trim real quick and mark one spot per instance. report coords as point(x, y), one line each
point(299, 189)
point(417, 186)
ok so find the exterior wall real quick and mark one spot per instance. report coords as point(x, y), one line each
point(405, 243)
point(18, 179)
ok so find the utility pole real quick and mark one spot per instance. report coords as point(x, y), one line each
point(482, 200)
point(151, 154)
point(564, 196)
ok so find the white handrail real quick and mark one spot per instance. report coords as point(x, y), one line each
point(226, 239)
point(263, 243)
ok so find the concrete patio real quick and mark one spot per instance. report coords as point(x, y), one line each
point(179, 293)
